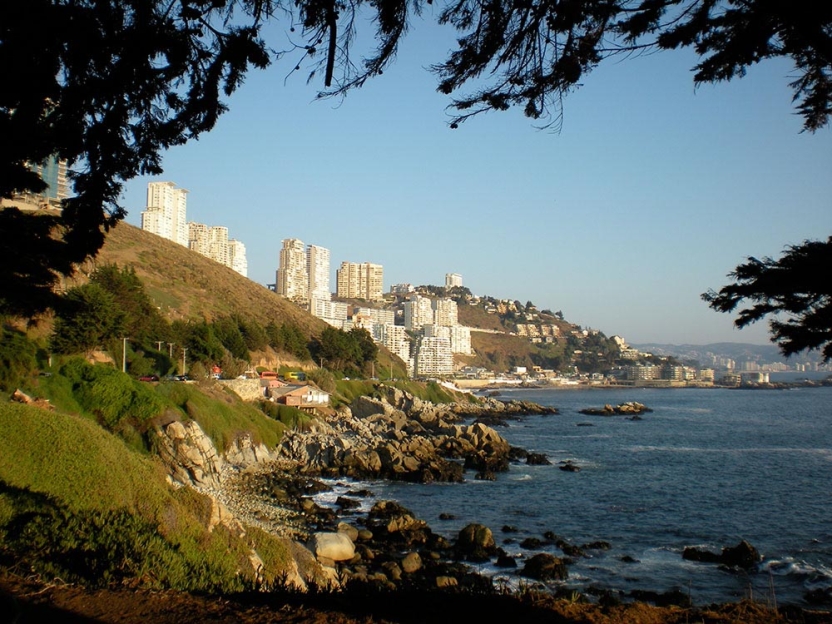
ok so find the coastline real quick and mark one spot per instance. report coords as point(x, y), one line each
point(372, 598)
point(350, 503)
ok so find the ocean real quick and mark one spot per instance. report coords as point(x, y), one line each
point(706, 468)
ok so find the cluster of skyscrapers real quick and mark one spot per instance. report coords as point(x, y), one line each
point(303, 276)
point(165, 216)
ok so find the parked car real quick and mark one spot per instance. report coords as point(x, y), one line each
point(149, 378)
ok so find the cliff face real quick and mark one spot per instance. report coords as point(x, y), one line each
point(192, 459)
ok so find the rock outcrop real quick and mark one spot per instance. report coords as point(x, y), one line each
point(192, 459)
point(399, 437)
point(630, 408)
point(743, 555)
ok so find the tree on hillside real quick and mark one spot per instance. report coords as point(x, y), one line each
point(86, 318)
point(109, 86)
point(143, 322)
point(794, 292)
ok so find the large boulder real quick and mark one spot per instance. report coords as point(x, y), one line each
point(545, 567)
point(475, 542)
point(743, 555)
point(335, 546)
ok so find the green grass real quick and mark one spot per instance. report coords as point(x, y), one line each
point(222, 415)
point(74, 459)
point(76, 502)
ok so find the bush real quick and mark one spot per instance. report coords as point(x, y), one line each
point(18, 358)
point(111, 395)
point(290, 416)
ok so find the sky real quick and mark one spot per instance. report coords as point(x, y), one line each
point(648, 195)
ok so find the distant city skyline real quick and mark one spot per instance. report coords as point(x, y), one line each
point(650, 194)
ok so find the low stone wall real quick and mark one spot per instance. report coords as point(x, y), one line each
point(246, 389)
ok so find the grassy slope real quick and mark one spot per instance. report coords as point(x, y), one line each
point(222, 414)
point(76, 502)
point(75, 460)
point(185, 284)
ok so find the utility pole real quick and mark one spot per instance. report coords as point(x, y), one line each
point(124, 355)
point(159, 345)
point(184, 351)
point(170, 349)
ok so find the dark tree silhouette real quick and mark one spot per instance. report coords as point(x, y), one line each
point(796, 290)
point(109, 85)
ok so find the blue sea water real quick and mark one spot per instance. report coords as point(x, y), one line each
point(706, 468)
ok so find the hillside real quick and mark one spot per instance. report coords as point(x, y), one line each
point(185, 284)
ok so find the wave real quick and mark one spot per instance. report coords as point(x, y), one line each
point(754, 449)
point(813, 576)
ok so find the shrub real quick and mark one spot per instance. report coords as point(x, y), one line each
point(290, 416)
point(111, 395)
point(18, 358)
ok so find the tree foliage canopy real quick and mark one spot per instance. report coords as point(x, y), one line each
point(797, 286)
point(110, 85)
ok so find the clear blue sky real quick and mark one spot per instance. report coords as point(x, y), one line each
point(649, 195)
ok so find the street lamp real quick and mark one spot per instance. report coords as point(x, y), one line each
point(124, 355)
point(184, 351)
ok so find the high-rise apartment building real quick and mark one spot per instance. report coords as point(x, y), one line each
point(360, 281)
point(237, 257)
point(165, 213)
point(213, 242)
point(453, 280)
point(317, 268)
point(445, 312)
point(53, 172)
point(418, 312)
point(461, 340)
point(333, 312)
point(396, 340)
point(292, 275)
point(433, 357)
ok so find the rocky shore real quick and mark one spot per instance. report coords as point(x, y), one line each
point(368, 560)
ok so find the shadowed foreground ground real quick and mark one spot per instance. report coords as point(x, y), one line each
point(23, 601)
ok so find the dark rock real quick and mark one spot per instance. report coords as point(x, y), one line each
point(568, 466)
point(628, 559)
point(537, 459)
point(476, 543)
point(631, 408)
point(347, 503)
point(599, 545)
point(515, 453)
point(570, 550)
point(360, 493)
point(743, 555)
point(485, 475)
point(447, 516)
point(544, 567)
point(691, 553)
point(531, 543)
point(492, 421)
point(504, 560)
point(507, 528)
point(672, 598)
